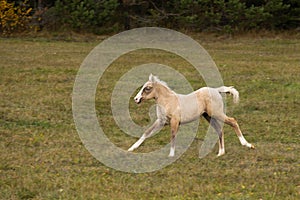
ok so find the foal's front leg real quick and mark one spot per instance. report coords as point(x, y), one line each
point(174, 128)
point(156, 126)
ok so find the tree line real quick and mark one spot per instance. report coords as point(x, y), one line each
point(106, 16)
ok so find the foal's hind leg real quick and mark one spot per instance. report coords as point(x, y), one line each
point(232, 122)
point(215, 124)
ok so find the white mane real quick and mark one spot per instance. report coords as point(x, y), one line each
point(156, 79)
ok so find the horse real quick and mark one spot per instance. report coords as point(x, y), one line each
point(175, 109)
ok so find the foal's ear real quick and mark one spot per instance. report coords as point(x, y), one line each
point(152, 78)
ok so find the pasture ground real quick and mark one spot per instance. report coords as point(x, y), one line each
point(42, 157)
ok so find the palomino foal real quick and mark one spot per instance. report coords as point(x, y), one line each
point(176, 109)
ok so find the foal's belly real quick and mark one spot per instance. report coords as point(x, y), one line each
point(190, 109)
point(185, 120)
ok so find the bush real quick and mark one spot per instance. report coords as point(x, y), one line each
point(86, 15)
point(106, 16)
point(224, 15)
point(13, 18)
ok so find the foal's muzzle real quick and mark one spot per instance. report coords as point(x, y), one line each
point(138, 100)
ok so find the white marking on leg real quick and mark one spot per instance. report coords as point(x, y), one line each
point(244, 142)
point(158, 124)
point(221, 152)
point(137, 144)
point(172, 152)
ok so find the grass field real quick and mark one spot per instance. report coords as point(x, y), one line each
point(42, 156)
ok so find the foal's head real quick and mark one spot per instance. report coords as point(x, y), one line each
point(149, 89)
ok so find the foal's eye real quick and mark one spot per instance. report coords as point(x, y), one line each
point(148, 89)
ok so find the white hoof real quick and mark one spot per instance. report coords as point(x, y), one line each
point(171, 155)
point(221, 153)
point(250, 146)
point(172, 152)
point(130, 149)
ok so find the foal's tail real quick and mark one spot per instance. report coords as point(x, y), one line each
point(230, 90)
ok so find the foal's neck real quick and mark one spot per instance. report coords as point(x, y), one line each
point(164, 94)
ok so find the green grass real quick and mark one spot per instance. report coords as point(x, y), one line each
point(42, 156)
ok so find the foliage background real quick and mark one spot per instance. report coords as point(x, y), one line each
point(107, 16)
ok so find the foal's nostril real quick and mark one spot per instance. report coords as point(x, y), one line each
point(137, 100)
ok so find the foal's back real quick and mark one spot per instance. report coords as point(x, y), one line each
point(193, 105)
